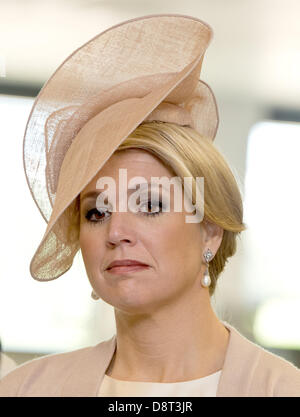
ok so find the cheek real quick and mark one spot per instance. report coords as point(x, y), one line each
point(177, 247)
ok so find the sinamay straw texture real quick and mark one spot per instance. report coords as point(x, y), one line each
point(143, 69)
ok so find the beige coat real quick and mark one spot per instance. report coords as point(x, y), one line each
point(248, 371)
point(6, 365)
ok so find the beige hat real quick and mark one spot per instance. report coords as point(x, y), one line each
point(146, 68)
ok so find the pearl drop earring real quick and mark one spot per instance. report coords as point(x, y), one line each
point(94, 295)
point(206, 281)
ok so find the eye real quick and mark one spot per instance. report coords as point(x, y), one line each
point(96, 216)
point(151, 208)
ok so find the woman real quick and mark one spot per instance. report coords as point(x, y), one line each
point(163, 318)
point(154, 264)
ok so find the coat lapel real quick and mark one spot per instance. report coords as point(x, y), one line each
point(239, 366)
point(88, 371)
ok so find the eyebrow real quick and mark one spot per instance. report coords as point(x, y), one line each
point(94, 194)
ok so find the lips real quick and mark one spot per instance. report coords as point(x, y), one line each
point(125, 262)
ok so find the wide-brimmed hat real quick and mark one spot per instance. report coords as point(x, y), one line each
point(143, 69)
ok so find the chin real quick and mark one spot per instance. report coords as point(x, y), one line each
point(134, 307)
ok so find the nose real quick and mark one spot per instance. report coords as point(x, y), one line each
point(120, 229)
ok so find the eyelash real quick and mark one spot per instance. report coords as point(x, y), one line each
point(95, 211)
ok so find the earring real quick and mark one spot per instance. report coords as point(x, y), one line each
point(94, 295)
point(206, 281)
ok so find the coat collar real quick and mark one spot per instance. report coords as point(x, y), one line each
point(93, 362)
point(239, 365)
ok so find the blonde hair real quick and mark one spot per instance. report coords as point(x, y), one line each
point(189, 154)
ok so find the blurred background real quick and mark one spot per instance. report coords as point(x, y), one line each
point(253, 67)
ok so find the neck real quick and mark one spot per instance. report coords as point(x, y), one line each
point(177, 342)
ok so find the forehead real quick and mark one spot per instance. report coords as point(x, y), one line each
point(137, 162)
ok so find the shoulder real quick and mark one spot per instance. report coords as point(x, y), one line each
point(282, 376)
point(259, 372)
point(43, 373)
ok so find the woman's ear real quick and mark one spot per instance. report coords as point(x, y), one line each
point(213, 235)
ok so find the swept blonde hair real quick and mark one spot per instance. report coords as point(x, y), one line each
point(189, 154)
